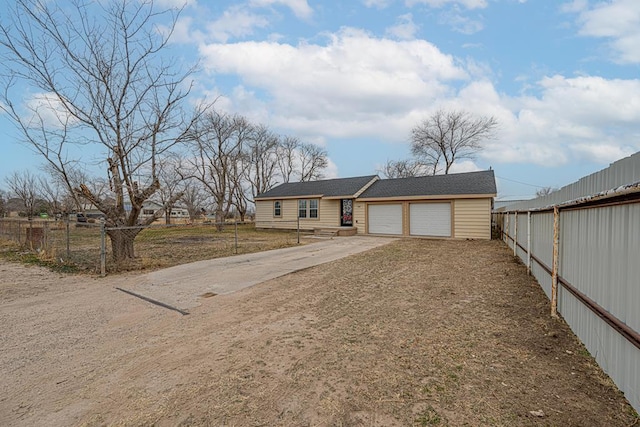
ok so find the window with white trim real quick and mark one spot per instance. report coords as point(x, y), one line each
point(277, 208)
point(308, 208)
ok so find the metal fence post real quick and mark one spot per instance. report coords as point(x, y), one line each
point(506, 236)
point(103, 249)
point(298, 229)
point(515, 234)
point(554, 273)
point(529, 242)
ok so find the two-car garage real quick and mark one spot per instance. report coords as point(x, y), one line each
point(422, 219)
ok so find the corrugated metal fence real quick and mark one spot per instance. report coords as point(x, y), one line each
point(582, 243)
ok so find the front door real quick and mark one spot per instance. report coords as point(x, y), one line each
point(346, 219)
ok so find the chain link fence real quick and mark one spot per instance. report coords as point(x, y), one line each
point(87, 246)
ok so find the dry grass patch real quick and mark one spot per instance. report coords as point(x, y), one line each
point(155, 247)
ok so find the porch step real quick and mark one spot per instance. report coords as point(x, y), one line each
point(320, 232)
point(337, 231)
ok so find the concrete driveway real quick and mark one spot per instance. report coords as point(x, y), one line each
point(184, 286)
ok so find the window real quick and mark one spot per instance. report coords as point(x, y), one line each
point(302, 208)
point(313, 208)
point(308, 208)
point(148, 211)
point(277, 208)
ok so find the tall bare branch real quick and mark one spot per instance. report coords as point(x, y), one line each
point(448, 136)
point(103, 85)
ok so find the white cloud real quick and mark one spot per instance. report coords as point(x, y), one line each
point(332, 170)
point(575, 6)
point(581, 118)
point(183, 31)
point(464, 166)
point(175, 3)
point(616, 20)
point(379, 4)
point(344, 88)
point(405, 28)
point(45, 109)
point(601, 153)
point(461, 23)
point(469, 4)
point(359, 86)
point(236, 22)
point(300, 8)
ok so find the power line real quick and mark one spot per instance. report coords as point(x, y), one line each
point(519, 182)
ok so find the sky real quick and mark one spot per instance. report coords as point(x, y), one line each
point(561, 78)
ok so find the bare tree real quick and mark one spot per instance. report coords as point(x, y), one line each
point(447, 136)
point(102, 79)
point(300, 160)
point(261, 160)
point(53, 195)
point(238, 187)
point(217, 141)
point(403, 169)
point(24, 186)
point(56, 186)
point(545, 191)
point(286, 155)
point(171, 184)
point(3, 204)
point(313, 162)
point(194, 198)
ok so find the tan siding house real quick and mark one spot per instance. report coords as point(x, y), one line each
point(472, 218)
point(443, 206)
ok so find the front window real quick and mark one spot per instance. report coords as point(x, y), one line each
point(313, 208)
point(308, 208)
point(277, 208)
point(302, 208)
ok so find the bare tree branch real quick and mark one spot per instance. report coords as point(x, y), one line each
point(445, 137)
point(403, 169)
point(103, 82)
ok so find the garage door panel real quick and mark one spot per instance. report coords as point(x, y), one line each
point(430, 219)
point(385, 219)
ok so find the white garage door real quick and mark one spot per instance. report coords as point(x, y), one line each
point(385, 219)
point(430, 219)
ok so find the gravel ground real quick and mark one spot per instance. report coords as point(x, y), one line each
point(417, 332)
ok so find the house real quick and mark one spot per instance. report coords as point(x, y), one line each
point(450, 206)
point(150, 207)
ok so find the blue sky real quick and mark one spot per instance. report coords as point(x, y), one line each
point(562, 78)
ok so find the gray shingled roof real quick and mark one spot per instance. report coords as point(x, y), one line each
point(326, 188)
point(482, 182)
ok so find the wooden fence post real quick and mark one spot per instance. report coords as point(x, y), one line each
point(556, 252)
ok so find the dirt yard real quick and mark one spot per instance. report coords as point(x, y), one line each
point(414, 333)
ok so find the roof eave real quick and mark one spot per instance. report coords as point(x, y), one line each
point(302, 196)
point(428, 197)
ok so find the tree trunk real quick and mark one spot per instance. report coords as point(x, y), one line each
point(219, 220)
point(122, 243)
